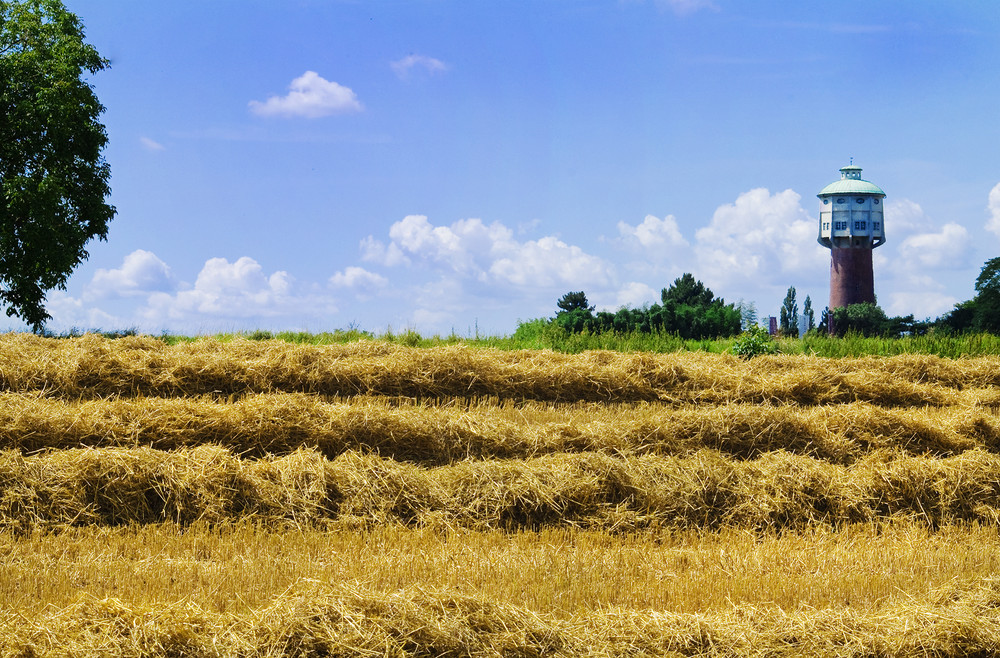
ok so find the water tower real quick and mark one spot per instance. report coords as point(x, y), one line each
point(850, 226)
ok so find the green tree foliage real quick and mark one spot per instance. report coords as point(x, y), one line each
point(870, 320)
point(53, 178)
point(807, 310)
point(573, 301)
point(982, 312)
point(689, 310)
point(788, 321)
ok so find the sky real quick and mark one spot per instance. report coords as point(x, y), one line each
point(450, 166)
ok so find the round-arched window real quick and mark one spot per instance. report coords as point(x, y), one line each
point(875, 201)
point(826, 202)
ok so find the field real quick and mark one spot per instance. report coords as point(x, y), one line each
point(366, 498)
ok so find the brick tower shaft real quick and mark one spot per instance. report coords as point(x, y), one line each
point(852, 279)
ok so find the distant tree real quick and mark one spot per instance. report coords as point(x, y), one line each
point(685, 290)
point(982, 312)
point(788, 321)
point(53, 177)
point(987, 312)
point(807, 310)
point(748, 314)
point(865, 319)
point(691, 310)
point(573, 301)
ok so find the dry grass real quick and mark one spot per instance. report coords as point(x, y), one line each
point(267, 424)
point(320, 621)
point(236, 568)
point(114, 486)
point(96, 367)
point(264, 499)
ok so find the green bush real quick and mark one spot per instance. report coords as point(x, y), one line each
point(752, 342)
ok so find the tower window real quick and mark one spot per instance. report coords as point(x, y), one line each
point(875, 201)
point(860, 200)
point(859, 226)
point(840, 200)
point(875, 225)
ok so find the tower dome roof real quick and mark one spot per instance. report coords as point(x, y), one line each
point(851, 183)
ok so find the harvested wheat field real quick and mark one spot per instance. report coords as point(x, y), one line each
point(258, 498)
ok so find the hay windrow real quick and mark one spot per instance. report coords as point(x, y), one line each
point(115, 486)
point(91, 366)
point(313, 620)
point(259, 425)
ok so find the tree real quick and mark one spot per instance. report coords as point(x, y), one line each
point(573, 301)
point(865, 319)
point(982, 312)
point(691, 310)
point(987, 311)
point(748, 314)
point(788, 323)
point(686, 291)
point(53, 178)
point(807, 310)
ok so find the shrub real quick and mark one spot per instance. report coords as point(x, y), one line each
point(754, 341)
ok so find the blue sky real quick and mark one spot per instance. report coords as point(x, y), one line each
point(452, 165)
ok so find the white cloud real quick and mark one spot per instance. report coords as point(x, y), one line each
point(921, 303)
point(310, 96)
point(549, 262)
point(141, 272)
point(944, 249)
point(375, 251)
point(760, 238)
point(488, 254)
point(230, 292)
point(70, 312)
point(635, 294)
point(359, 280)
point(904, 216)
point(654, 233)
point(151, 145)
point(993, 225)
point(405, 66)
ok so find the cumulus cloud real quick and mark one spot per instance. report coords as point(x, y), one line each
point(240, 290)
point(407, 65)
point(141, 272)
point(635, 294)
point(993, 225)
point(359, 280)
point(947, 248)
point(488, 253)
point(653, 233)
point(310, 96)
point(762, 237)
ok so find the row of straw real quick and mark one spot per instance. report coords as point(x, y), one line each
point(258, 425)
point(778, 490)
point(312, 620)
point(91, 366)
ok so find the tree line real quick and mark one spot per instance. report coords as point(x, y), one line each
point(690, 310)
